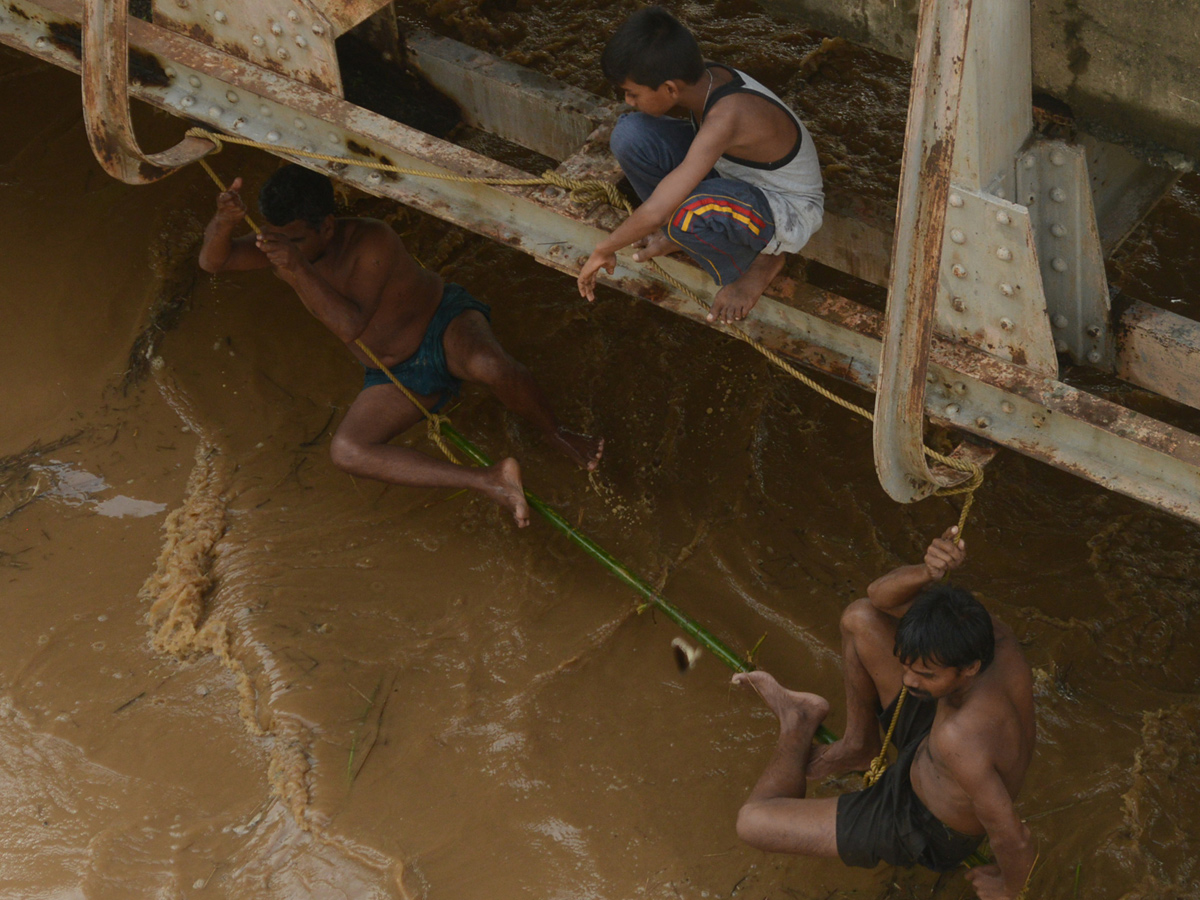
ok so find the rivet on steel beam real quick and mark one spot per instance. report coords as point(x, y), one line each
point(194, 81)
point(299, 123)
point(1058, 195)
point(257, 40)
point(1058, 264)
point(220, 17)
point(958, 304)
point(1007, 407)
point(1058, 230)
point(189, 100)
point(169, 72)
point(272, 136)
point(1058, 157)
point(238, 123)
point(957, 236)
point(293, 16)
point(276, 29)
point(309, 148)
point(318, 29)
point(183, 4)
point(263, 109)
point(1061, 321)
point(1030, 161)
point(930, 378)
point(1000, 193)
point(1093, 331)
point(282, 53)
point(301, 41)
point(1093, 356)
point(1004, 253)
point(956, 201)
point(41, 43)
point(1003, 218)
point(1007, 324)
point(231, 96)
point(214, 112)
point(1060, 346)
point(1007, 289)
point(959, 387)
point(983, 422)
point(952, 409)
point(959, 272)
point(334, 138)
point(374, 178)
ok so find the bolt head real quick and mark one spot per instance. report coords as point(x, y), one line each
point(194, 81)
point(983, 422)
point(41, 43)
point(957, 236)
point(282, 53)
point(374, 178)
point(214, 112)
point(231, 96)
point(334, 138)
point(1058, 230)
point(1004, 254)
point(1007, 289)
point(318, 29)
point(1093, 356)
point(1007, 407)
point(959, 387)
point(293, 16)
point(1029, 161)
point(1007, 324)
point(952, 409)
point(189, 100)
point(272, 136)
point(298, 124)
point(220, 16)
point(1003, 218)
point(276, 29)
point(959, 272)
point(1058, 157)
point(1058, 195)
point(301, 41)
point(958, 304)
point(257, 40)
point(182, 4)
point(956, 201)
point(263, 109)
point(1060, 346)
point(1093, 331)
point(1061, 321)
point(1058, 264)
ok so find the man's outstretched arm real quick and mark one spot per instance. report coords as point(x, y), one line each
point(221, 251)
point(893, 593)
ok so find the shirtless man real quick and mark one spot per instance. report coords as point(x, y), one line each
point(965, 737)
point(357, 278)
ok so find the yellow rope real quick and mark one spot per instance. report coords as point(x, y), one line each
point(879, 764)
point(584, 191)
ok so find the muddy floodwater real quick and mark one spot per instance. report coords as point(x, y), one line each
point(229, 670)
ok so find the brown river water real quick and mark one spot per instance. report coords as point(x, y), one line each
point(229, 670)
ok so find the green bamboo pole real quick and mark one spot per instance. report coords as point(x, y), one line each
point(622, 573)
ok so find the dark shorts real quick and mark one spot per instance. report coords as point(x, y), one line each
point(426, 372)
point(887, 822)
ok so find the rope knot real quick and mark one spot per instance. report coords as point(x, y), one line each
point(204, 133)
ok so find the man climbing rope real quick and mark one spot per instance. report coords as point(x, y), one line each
point(963, 725)
point(357, 278)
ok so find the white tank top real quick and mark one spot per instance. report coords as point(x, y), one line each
point(792, 184)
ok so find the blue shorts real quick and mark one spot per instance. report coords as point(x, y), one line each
point(425, 372)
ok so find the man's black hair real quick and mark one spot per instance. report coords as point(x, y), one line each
point(651, 47)
point(295, 192)
point(946, 626)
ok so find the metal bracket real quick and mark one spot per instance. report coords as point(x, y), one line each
point(990, 294)
point(1052, 181)
point(105, 77)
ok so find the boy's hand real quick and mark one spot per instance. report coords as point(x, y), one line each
point(944, 554)
point(587, 275)
point(230, 208)
point(281, 252)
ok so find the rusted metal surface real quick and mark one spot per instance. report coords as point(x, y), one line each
point(917, 253)
point(105, 80)
point(1160, 351)
point(970, 390)
point(508, 100)
point(345, 14)
point(291, 37)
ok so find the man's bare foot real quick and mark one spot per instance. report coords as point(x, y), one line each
point(734, 301)
point(584, 449)
point(795, 710)
point(657, 244)
point(840, 758)
point(504, 486)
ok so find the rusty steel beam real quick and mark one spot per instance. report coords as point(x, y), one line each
point(968, 389)
point(929, 145)
point(105, 81)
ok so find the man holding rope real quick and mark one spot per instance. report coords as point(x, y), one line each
point(963, 726)
point(359, 280)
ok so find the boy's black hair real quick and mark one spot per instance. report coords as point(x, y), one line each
point(946, 626)
point(295, 192)
point(651, 47)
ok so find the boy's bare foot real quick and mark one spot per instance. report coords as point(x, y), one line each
point(734, 301)
point(584, 449)
point(795, 710)
point(505, 488)
point(840, 758)
point(657, 244)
